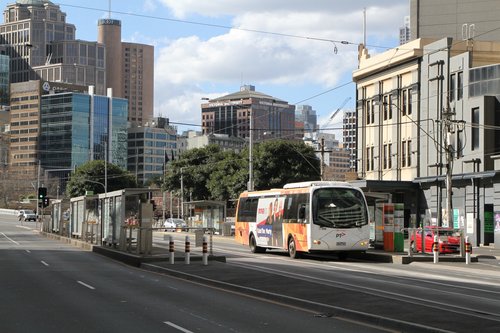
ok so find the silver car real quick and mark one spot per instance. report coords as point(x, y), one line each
point(27, 215)
point(172, 224)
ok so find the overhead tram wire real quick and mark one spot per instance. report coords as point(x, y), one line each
point(219, 26)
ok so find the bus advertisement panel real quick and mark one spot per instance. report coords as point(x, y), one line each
point(304, 217)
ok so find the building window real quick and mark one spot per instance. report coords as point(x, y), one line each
point(404, 103)
point(460, 85)
point(406, 153)
point(408, 156)
point(475, 128)
point(386, 107)
point(369, 158)
point(452, 87)
point(387, 156)
point(409, 101)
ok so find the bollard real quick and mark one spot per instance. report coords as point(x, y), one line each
point(171, 250)
point(468, 250)
point(205, 251)
point(435, 249)
point(187, 250)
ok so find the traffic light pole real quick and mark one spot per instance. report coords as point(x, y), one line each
point(37, 187)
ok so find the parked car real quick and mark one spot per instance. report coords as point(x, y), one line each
point(26, 215)
point(172, 224)
point(448, 240)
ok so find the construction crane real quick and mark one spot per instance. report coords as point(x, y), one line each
point(336, 112)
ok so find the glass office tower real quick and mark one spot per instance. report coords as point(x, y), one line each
point(77, 128)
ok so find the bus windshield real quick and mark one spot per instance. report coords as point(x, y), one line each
point(339, 208)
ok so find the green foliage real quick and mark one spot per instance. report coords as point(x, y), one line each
point(90, 177)
point(279, 162)
point(211, 174)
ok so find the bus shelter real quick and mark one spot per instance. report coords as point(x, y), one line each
point(59, 217)
point(120, 208)
point(84, 218)
point(207, 214)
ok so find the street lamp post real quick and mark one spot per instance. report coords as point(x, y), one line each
point(250, 154)
point(182, 192)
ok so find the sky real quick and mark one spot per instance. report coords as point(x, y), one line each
point(300, 51)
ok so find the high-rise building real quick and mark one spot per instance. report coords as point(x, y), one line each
point(25, 129)
point(306, 115)
point(42, 45)
point(129, 71)
point(80, 127)
point(459, 19)
point(231, 115)
point(151, 148)
point(404, 32)
point(350, 127)
point(109, 33)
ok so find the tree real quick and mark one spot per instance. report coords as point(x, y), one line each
point(212, 174)
point(90, 177)
point(229, 177)
point(195, 167)
point(279, 162)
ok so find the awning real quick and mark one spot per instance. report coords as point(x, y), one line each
point(463, 176)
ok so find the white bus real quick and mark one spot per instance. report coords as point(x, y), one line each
point(304, 217)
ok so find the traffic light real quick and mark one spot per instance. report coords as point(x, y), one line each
point(45, 202)
point(42, 193)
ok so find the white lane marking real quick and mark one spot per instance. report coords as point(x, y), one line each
point(85, 285)
point(28, 251)
point(182, 329)
point(43, 262)
point(13, 241)
point(23, 227)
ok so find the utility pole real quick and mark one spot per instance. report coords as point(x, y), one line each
point(322, 152)
point(449, 129)
point(250, 154)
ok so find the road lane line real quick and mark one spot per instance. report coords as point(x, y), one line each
point(43, 262)
point(182, 329)
point(13, 241)
point(28, 251)
point(85, 285)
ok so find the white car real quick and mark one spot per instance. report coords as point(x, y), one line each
point(26, 215)
point(171, 224)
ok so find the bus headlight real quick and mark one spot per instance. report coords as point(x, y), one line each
point(316, 242)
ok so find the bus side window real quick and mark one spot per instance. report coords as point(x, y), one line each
point(302, 213)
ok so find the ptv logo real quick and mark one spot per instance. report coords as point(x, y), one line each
point(340, 234)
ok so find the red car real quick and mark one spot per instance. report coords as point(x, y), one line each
point(448, 240)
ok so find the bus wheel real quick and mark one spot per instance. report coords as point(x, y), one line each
point(292, 249)
point(253, 246)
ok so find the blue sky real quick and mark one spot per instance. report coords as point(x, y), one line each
point(195, 60)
